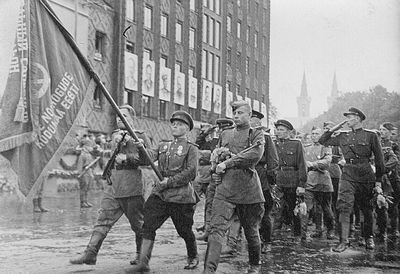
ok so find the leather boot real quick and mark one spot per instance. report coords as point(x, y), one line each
point(145, 255)
point(254, 259)
point(344, 238)
point(89, 256)
point(36, 207)
point(42, 209)
point(138, 240)
point(212, 257)
point(193, 258)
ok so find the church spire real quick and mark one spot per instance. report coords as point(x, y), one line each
point(334, 92)
point(303, 101)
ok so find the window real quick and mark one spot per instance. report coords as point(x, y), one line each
point(98, 98)
point(178, 32)
point(192, 71)
point(164, 25)
point(163, 110)
point(205, 3)
point(147, 54)
point(210, 66)
point(246, 93)
point(247, 65)
point(239, 25)
point(130, 47)
point(211, 31)
point(99, 46)
point(238, 3)
point(229, 23)
point(255, 69)
point(229, 85)
point(217, 6)
point(178, 66)
point(256, 39)
point(192, 5)
point(164, 61)
point(248, 34)
point(237, 89)
point(247, 5)
point(192, 33)
point(205, 28)
point(148, 17)
point(228, 56)
point(217, 32)
point(238, 57)
point(204, 64)
point(211, 4)
point(216, 68)
point(130, 10)
point(145, 106)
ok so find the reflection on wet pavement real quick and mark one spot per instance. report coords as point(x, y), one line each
point(43, 243)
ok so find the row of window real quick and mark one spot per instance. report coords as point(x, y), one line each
point(211, 31)
point(211, 66)
point(214, 5)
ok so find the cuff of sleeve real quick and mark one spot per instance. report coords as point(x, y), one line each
point(229, 163)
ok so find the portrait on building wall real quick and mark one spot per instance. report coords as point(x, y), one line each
point(256, 105)
point(148, 78)
point(192, 92)
point(165, 84)
point(206, 96)
point(217, 99)
point(229, 99)
point(179, 90)
point(264, 109)
point(131, 71)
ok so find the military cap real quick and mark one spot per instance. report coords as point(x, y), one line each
point(355, 111)
point(389, 126)
point(257, 114)
point(329, 124)
point(184, 117)
point(224, 122)
point(284, 123)
point(238, 104)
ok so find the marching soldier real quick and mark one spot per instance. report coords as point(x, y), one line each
point(124, 196)
point(239, 190)
point(319, 186)
point(222, 124)
point(174, 196)
point(292, 172)
point(266, 169)
point(358, 180)
point(392, 176)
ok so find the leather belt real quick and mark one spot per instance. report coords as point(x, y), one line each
point(357, 161)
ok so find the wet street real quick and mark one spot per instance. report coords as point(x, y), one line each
point(44, 243)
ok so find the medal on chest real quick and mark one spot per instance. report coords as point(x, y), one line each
point(179, 150)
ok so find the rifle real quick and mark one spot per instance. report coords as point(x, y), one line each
point(107, 170)
point(89, 166)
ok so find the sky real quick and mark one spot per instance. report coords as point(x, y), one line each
point(357, 39)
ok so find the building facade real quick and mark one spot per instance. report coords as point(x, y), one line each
point(165, 55)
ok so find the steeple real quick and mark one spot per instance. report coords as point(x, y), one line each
point(303, 101)
point(334, 92)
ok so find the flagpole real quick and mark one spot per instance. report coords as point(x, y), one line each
point(96, 78)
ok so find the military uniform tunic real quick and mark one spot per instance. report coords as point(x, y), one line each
point(240, 183)
point(357, 147)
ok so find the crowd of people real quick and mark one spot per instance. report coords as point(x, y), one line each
point(253, 183)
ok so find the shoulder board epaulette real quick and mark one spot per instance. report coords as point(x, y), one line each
point(307, 145)
point(295, 140)
point(342, 131)
point(165, 141)
point(196, 145)
point(370, 130)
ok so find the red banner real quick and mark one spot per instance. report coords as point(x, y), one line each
point(46, 93)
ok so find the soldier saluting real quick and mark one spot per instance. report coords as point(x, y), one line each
point(358, 179)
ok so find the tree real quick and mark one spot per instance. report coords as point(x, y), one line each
point(377, 103)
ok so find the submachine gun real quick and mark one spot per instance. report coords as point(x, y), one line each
point(110, 164)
